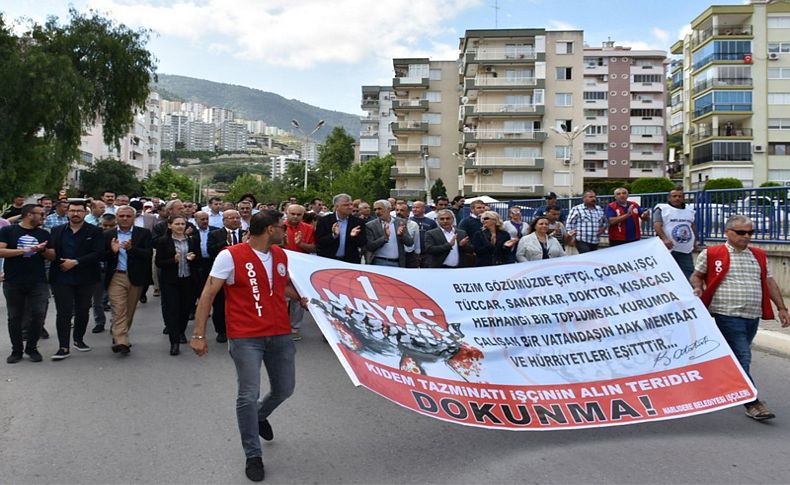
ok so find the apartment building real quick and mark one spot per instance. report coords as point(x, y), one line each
point(280, 163)
point(426, 108)
point(200, 136)
point(375, 136)
point(232, 136)
point(624, 113)
point(521, 97)
point(730, 94)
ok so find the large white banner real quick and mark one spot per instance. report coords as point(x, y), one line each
point(603, 338)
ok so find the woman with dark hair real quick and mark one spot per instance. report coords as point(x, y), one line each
point(175, 255)
point(538, 244)
point(492, 242)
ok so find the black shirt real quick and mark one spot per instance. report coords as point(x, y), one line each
point(11, 212)
point(28, 268)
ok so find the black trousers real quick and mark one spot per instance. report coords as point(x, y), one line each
point(585, 247)
point(177, 300)
point(218, 312)
point(72, 301)
point(27, 306)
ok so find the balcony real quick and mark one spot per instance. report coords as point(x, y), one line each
point(720, 56)
point(646, 138)
point(369, 134)
point(596, 104)
point(647, 121)
point(406, 82)
point(596, 70)
point(369, 103)
point(735, 132)
point(722, 81)
point(505, 162)
point(505, 82)
point(369, 119)
point(725, 157)
point(700, 36)
point(596, 155)
point(407, 148)
point(411, 194)
point(647, 87)
point(654, 156)
point(407, 171)
point(410, 105)
point(485, 54)
point(406, 127)
point(503, 110)
point(504, 190)
point(739, 108)
point(502, 135)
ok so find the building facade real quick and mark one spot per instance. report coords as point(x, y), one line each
point(521, 94)
point(232, 136)
point(375, 136)
point(426, 132)
point(624, 113)
point(200, 136)
point(730, 94)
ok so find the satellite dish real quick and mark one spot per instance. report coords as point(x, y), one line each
point(464, 100)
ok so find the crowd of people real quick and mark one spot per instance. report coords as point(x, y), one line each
point(105, 255)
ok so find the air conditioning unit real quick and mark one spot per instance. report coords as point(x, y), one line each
point(566, 162)
point(773, 56)
point(787, 183)
point(487, 172)
point(489, 68)
point(759, 149)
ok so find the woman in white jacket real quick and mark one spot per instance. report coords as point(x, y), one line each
point(538, 244)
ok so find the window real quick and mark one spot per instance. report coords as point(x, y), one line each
point(432, 118)
point(646, 130)
point(564, 47)
point(435, 75)
point(647, 113)
point(722, 151)
point(562, 152)
point(596, 130)
point(725, 101)
point(563, 99)
point(521, 179)
point(519, 51)
point(564, 125)
point(779, 47)
point(778, 73)
point(564, 73)
point(595, 62)
point(595, 95)
point(721, 50)
point(432, 140)
point(434, 96)
point(779, 123)
point(648, 78)
point(594, 147)
point(522, 152)
point(434, 162)
point(592, 113)
point(778, 98)
point(537, 96)
point(782, 149)
point(562, 179)
point(515, 126)
point(779, 22)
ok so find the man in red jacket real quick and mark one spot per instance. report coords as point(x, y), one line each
point(736, 285)
point(254, 276)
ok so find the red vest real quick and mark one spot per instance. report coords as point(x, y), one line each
point(617, 231)
point(713, 279)
point(252, 309)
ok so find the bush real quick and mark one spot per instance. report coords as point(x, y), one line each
point(725, 183)
point(651, 185)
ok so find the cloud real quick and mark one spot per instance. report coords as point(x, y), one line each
point(561, 25)
point(298, 33)
point(661, 35)
point(684, 31)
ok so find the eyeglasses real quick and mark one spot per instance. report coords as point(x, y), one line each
point(742, 232)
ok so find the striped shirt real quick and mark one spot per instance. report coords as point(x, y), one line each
point(740, 292)
point(587, 222)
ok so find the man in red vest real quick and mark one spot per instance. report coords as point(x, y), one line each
point(254, 276)
point(736, 285)
point(625, 218)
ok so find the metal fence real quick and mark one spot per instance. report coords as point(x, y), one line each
point(768, 208)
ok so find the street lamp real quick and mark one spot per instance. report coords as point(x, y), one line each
point(570, 136)
point(295, 124)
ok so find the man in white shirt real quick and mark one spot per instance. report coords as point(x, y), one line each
point(446, 245)
point(386, 237)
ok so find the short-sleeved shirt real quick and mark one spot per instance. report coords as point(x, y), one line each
point(28, 268)
point(308, 236)
point(740, 292)
point(224, 268)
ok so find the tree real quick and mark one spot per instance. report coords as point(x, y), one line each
point(368, 181)
point(336, 155)
point(723, 183)
point(651, 185)
point(55, 81)
point(167, 181)
point(110, 174)
point(438, 189)
point(247, 184)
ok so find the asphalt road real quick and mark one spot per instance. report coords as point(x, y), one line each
point(152, 418)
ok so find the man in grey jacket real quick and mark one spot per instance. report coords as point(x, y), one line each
point(386, 236)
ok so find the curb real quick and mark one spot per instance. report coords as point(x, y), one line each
point(771, 341)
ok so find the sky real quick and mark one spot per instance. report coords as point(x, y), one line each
point(322, 51)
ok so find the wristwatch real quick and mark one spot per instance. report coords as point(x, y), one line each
point(198, 337)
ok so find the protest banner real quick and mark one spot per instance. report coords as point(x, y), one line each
point(603, 338)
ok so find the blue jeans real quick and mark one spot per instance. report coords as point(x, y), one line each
point(278, 355)
point(685, 261)
point(739, 333)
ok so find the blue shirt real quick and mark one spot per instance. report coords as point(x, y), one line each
point(215, 219)
point(54, 219)
point(203, 242)
point(341, 248)
point(122, 256)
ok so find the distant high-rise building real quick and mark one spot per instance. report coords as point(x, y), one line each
point(200, 136)
point(168, 138)
point(624, 99)
point(218, 115)
point(233, 136)
point(730, 94)
point(280, 163)
point(375, 136)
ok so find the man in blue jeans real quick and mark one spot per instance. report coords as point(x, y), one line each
point(736, 285)
point(254, 277)
point(24, 247)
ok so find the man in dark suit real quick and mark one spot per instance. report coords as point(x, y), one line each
point(444, 245)
point(340, 235)
point(73, 274)
point(128, 252)
point(229, 235)
point(386, 237)
point(203, 261)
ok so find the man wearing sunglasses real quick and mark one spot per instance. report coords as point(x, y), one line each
point(736, 285)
